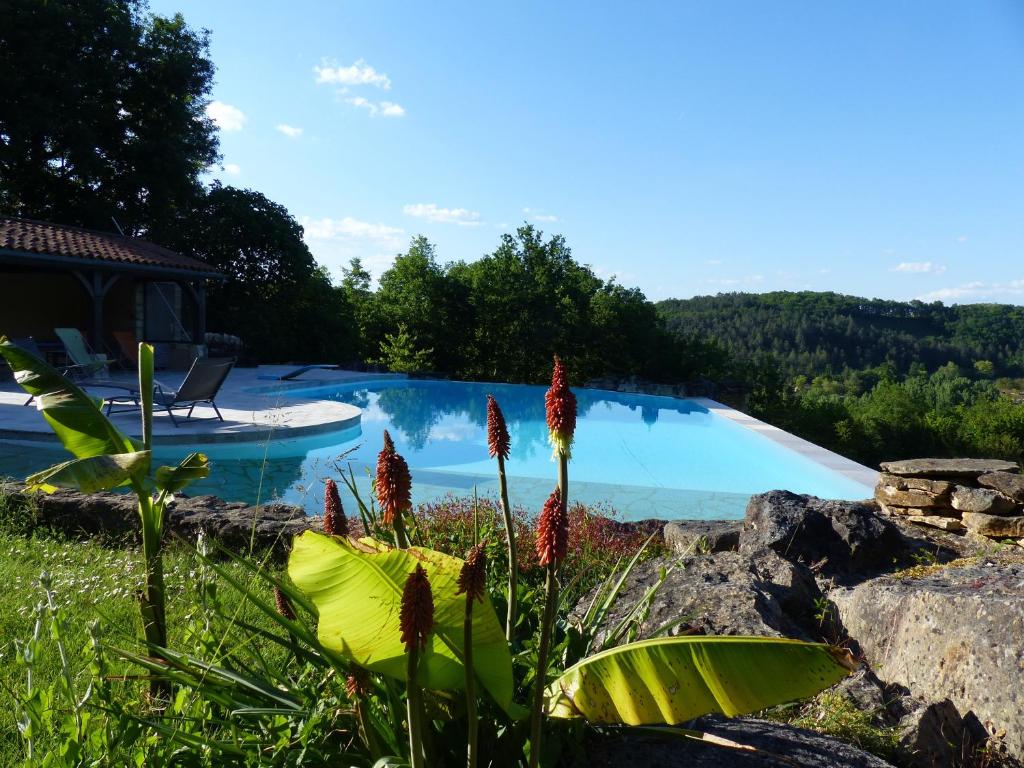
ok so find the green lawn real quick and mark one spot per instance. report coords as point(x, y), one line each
point(90, 581)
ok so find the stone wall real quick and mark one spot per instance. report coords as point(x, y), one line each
point(980, 496)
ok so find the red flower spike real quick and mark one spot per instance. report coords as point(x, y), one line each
point(497, 431)
point(416, 618)
point(473, 576)
point(552, 531)
point(394, 485)
point(560, 403)
point(284, 605)
point(335, 522)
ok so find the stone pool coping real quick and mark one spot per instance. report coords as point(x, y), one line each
point(821, 456)
point(250, 400)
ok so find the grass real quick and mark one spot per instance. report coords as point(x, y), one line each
point(833, 714)
point(90, 581)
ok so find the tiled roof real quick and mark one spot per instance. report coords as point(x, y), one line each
point(46, 239)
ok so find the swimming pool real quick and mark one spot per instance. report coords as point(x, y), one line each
point(645, 456)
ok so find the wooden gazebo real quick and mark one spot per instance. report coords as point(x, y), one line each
point(53, 276)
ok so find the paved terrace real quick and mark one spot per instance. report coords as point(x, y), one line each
point(250, 401)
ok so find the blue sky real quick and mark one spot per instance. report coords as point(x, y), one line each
point(873, 148)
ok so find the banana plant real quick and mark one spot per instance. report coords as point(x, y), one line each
point(105, 459)
point(356, 587)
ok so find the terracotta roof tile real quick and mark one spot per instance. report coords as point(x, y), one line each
point(44, 238)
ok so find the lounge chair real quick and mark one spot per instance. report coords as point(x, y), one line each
point(80, 374)
point(79, 353)
point(129, 349)
point(201, 385)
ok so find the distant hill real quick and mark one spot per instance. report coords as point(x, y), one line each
point(814, 333)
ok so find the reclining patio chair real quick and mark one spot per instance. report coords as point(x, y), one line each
point(82, 375)
point(201, 385)
point(83, 358)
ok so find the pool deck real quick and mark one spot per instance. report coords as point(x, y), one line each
point(833, 461)
point(250, 400)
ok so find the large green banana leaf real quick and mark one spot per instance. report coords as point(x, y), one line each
point(91, 474)
point(672, 680)
point(358, 593)
point(75, 417)
point(195, 466)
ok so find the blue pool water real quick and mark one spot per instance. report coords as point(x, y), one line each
point(645, 456)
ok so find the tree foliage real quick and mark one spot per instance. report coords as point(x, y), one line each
point(102, 114)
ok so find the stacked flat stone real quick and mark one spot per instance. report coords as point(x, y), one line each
point(984, 496)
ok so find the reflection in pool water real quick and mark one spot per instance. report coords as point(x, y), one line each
point(646, 456)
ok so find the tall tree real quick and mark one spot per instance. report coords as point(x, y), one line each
point(102, 114)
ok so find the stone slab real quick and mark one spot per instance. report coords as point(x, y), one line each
point(998, 526)
point(1007, 483)
point(939, 468)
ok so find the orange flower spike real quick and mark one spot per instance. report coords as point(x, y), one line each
point(394, 484)
point(552, 531)
point(473, 576)
point(416, 618)
point(283, 604)
point(560, 404)
point(497, 431)
point(335, 522)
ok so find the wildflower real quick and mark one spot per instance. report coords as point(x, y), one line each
point(497, 431)
point(416, 618)
point(560, 403)
point(335, 522)
point(552, 530)
point(284, 605)
point(394, 485)
point(473, 576)
point(356, 683)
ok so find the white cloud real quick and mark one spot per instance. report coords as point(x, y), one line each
point(977, 290)
point(536, 216)
point(432, 212)
point(713, 262)
point(731, 281)
point(383, 108)
point(962, 239)
point(232, 168)
point(359, 73)
point(919, 267)
point(290, 130)
point(335, 241)
point(227, 117)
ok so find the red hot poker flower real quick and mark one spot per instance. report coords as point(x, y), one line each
point(497, 431)
point(473, 576)
point(284, 605)
point(552, 530)
point(394, 485)
point(416, 618)
point(560, 403)
point(335, 522)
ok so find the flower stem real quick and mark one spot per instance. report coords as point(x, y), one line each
point(471, 715)
point(513, 559)
point(401, 537)
point(551, 602)
point(414, 711)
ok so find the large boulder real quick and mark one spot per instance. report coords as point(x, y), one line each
point(951, 632)
point(838, 538)
point(724, 593)
point(948, 468)
point(775, 746)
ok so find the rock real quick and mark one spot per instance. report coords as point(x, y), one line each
point(841, 538)
point(723, 593)
point(936, 521)
point(996, 526)
point(689, 537)
point(981, 500)
point(778, 746)
point(113, 515)
point(954, 468)
point(1010, 485)
point(935, 735)
point(867, 693)
point(956, 632)
point(912, 491)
